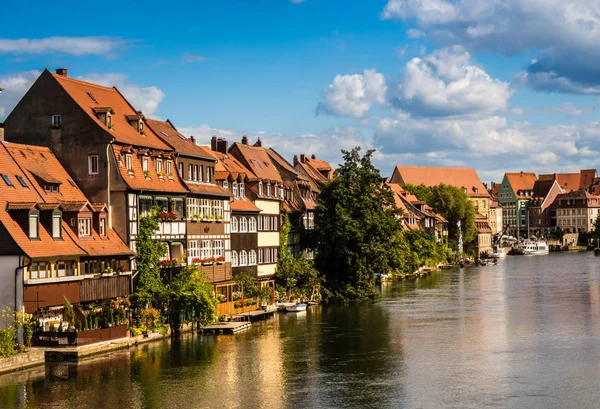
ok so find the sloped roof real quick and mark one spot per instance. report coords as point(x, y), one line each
point(542, 187)
point(432, 176)
point(228, 165)
point(521, 181)
point(258, 161)
point(111, 245)
point(138, 181)
point(315, 178)
point(284, 163)
point(567, 181)
point(166, 131)
point(243, 205)
point(208, 189)
point(106, 97)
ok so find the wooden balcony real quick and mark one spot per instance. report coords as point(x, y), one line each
point(217, 273)
point(170, 230)
point(76, 289)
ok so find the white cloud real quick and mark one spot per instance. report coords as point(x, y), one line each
point(15, 85)
point(145, 98)
point(353, 95)
point(564, 33)
point(570, 109)
point(77, 46)
point(447, 83)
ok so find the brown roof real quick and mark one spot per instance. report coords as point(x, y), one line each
point(229, 166)
point(284, 163)
point(590, 199)
point(567, 181)
point(138, 181)
point(258, 161)
point(243, 205)
point(111, 245)
point(208, 189)
point(432, 176)
point(183, 145)
point(314, 176)
point(521, 181)
point(122, 131)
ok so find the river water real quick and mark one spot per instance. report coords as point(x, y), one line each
point(522, 334)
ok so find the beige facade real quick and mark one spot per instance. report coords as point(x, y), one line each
point(495, 219)
point(579, 220)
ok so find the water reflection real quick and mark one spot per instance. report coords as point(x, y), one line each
point(520, 334)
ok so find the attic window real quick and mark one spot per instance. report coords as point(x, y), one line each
point(51, 187)
point(34, 225)
point(22, 182)
point(165, 134)
point(7, 180)
point(92, 97)
point(23, 154)
point(475, 189)
point(72, 183)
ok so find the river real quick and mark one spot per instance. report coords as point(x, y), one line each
point(522, 334)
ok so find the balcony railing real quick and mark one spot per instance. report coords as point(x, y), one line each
point(176, 228)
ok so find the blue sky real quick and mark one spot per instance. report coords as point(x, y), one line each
point(432, 82)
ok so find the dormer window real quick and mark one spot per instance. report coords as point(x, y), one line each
point(102, 226)
point(34, 224)
point(129, 163)
point(57, 225)
point(159, 167)
point(85, 227)
point(169, 168)
point(141, 127)
point(475, 190)
point(145, 164)
point(109, 120)
point(269, 189)
point(226, 185)
point(56, 121)
point(207, 175)
point(235, 189)
point(242, 190)
point(464, 190)
point(181, 170)
point(260, 188)
point(51, 187)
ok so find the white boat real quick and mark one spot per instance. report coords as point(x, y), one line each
point(498, 252)
point(296, 307)
point(535, 248)
point(283, 305)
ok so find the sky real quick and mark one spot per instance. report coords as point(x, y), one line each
point(498, 86)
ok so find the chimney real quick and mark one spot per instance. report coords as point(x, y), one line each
point(138, 112)
point(222, 146)
point(192, 139)
point(313, 156)
point(258, 143)
point(62, 71)
point(1, 131)
point(303, 158)
point(244, 140)
point(295, 160)
point(213, 143)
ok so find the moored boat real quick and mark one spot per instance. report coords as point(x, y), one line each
point(498, 252)
point(283, 305)
point(535, 248)
point(296, 307)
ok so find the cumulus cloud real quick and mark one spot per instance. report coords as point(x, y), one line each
point(353, 95)
point(565, 33)
point(145, 98)
point(77, 46)
point(15, 85)
point(447, 83)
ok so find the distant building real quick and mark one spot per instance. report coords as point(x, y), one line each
point(573, 181)
point(514, 196)
point(541, 215)
point(576, 211)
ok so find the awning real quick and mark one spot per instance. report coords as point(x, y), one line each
point(177, 243)
point(177, 199)
point(161, 198)
point(145, 197)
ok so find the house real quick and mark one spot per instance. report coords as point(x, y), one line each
point(484, 234)
point(104, 144)
point(299, 204)
point(208, 215)
point(576, 211)
point(514, 197)
point(55, 243)
point(573, 181)
point(266, 191)
point(541, 214)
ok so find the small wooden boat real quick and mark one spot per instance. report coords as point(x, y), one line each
point(283, 305)
point(296, 307)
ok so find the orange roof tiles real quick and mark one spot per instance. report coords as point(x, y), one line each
point(105, 97)
point(568, 181)
point(243, 206)
point(172, 137)
point(284, 163)
point(204, 188)
point(521, 181)
point(432, 176)
point(258, 161)
point(228, 165)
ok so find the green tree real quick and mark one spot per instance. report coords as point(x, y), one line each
point(421, 191)
point(357, 218)
point(454, 204)
point(191, 299)
point(247, 284)
point(150, 288)
point(68, 312)
point(596, 230)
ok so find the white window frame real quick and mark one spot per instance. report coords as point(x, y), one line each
point(260, 188)
point(85, 226)
point(243, 225)
point(190, 172)
point(34, 226)
point(193, 249)
point(235, 189)
point(205, 207)
point(234, 224)
point(92, 160)
point(180, 167)
point(206, 249)
point(102, 226)
point(234, 258)
point(145, 164)
point(252, 258)
point(169, 168)
point(56, 226)
point(269, 189)
point(243, 258)
point(129, 162)
point(252, 225)
point(242, 189)
point(218, 249)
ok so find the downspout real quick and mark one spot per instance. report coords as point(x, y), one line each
point(108, 147)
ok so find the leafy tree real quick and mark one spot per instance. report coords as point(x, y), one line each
point(247, 284)
point(150, 287)
point(454, 204)
point(596, 229)
point(357, 219)
point(191, 299)
point(69, 313)
point(421, 191)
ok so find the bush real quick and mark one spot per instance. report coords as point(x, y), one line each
point(150, 317)
point(8, 342)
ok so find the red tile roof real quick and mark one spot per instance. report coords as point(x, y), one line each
point(258, 161)
point(172, 137)
point(521, 181)
point(138, 181)
point(106, 97)
point(229, 167)
point(432, 176)
point(568, 181)
point(275, 156)
point(208, 189)
point(243, 206)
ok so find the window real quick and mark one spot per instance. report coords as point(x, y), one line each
point(260, 256)
point(205, 207)
point(181, 170)
point(195, 175)
point(177, 207)
point(193, 249)
point(169, 168)
point(145, 164)
point(266, 223)
point(56, 226)
point(218, 209)
point(218, 248)
point(275, 254)
point(162, 203)
point(190, 172)
point(234, 258)
point(235, 189)
point(102, 226)
point(38, 270)
point(234, 224)
point(65, 268)
point(243, 258)
point(56, 121)
point(269, 189)
point(226, 185)
point(7, 180)
point(207, 175)
point(129, 162)
point(259, 223)
point(34, 225)
point(23, 183)
point(93, 164)
point(260, 188)
point(242, 190)
point(252, 225)
point(206, 250)
point(243, 225)
point(159, 167)
point(267, 256)
point(252, 258)
point(192, 207)
point(145, 206)
point(85, 226)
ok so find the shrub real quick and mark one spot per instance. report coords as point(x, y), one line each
point(8, 342)
point(150, 317)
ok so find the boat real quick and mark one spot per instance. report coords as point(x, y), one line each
point(498, 252)
point(283, 305)
point(296, 307)
point(535, 248)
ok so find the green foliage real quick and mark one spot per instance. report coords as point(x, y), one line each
point(357, 220)
point(246, 284)
point(596, 227)
point(8, 342)
point(150, 287)
point(422, 192)
point(191, 299)
point(68, 313)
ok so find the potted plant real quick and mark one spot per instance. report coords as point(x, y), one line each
point(147, 174)
point(220, 259)
point(237, 295)
point(219, 218)
point(221, 298)
point(196, 260)
point(55, 126)
point(108, 271)
point(110, 125)
point(208, 261)
point(196, 217)
point(204, 218)
point(142, 132)
point(120, 270)
point(172, 216)
point(170, 176)
point(159, 174)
